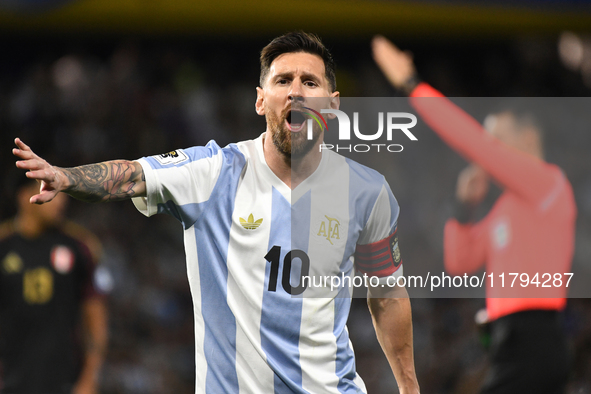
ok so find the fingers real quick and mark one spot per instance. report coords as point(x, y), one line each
point(46, 194)
point(381, 41)
point(30, 161)
point(474, 171)
point(43, 197)
point(23, 154)
point(379, 46)
point(23, 151)
point(384, 48)
point(21, 145)
point(396, 65)
point(38, 169)
point(41, 175)
point(472, 185)
point(31, 164)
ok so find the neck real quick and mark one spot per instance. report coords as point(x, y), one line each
point(291, 171)
point(28, 225)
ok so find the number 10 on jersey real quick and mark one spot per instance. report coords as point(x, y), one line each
point(273, 257)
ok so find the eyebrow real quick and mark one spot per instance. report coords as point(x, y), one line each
point(289, 74)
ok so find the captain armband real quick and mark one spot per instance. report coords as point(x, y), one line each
point(381, 259)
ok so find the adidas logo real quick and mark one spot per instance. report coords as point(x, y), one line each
point(250, 224)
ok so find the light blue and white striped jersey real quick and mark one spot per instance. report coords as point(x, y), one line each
point(243, 228)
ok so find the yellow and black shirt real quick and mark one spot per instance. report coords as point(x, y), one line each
point(42, 284)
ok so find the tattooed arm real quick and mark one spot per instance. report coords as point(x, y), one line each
point(108, 181)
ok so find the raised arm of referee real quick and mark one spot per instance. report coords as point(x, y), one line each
point(529, 230)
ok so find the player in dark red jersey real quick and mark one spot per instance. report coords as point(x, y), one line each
point(530, 228)
point(53, 330)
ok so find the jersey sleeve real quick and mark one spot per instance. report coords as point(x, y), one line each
point(178, 183)
point(377, 252)
point(523, 174)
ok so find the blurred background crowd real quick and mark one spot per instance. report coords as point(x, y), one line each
point(82, 98)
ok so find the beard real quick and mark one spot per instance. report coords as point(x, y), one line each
point(290, 144)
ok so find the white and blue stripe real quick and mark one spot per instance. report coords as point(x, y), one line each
point(250, 339)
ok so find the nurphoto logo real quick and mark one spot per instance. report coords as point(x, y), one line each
point(395, 122)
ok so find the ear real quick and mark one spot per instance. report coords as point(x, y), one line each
point(335, 103)
point(259, 105)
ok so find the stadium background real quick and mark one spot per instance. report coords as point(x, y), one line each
point(91, 80)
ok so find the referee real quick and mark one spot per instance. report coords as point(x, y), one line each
point(530, 229)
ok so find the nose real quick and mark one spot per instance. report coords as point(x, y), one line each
point(295, 93)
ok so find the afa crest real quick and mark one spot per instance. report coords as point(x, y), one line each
point(330, 229)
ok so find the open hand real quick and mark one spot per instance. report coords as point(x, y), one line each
point(397, 66)
point(472, 186)
point(50, 177)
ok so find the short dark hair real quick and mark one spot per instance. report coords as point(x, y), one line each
point(298, 41)
point(524, 112)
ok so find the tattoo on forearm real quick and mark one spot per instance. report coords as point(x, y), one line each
point(109, 181)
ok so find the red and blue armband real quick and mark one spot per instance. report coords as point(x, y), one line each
point(380, 258)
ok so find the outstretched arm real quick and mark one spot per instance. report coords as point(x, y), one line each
point(391, 314)
point(108, 181)
point(523, 174)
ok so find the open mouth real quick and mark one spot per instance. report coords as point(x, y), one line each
point(295, 120)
